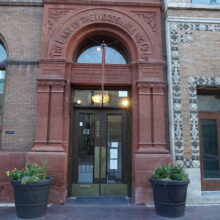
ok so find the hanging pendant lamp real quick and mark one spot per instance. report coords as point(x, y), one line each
point(103, 96)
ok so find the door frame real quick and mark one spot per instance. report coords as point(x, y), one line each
point(208, 183)
point(73, 151)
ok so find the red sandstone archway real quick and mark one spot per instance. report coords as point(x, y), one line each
point(106, 30)
point(139, 31)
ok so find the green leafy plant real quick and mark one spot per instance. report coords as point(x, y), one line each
point(170, 172)
point(31, 172)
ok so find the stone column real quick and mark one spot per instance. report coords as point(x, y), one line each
point(151, 117)
point(41, 130)
point(56, 115)
point(49, 141)
point(145, 117)
point(49, 120)
point(158, 116)
point(151, 148)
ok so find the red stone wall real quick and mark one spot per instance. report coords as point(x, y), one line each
point(65, 26)
point(138, 28)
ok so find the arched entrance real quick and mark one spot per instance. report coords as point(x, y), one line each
point(138, 30)
point(100, 161)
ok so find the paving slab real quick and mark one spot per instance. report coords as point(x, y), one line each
point(70, 211)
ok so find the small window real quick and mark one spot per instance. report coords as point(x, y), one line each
point(87, 98)
point(3, 58)
point(209, 102)
point(91, 51)
point(3, 55)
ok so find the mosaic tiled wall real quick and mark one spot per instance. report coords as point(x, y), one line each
point(183, 33)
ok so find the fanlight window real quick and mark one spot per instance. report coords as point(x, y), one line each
point(91, 52)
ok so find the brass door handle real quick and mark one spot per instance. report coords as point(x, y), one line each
point(100, 162)
point(97, 162)
point(103, 162)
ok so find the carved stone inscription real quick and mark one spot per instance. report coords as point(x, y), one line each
point(107, 17)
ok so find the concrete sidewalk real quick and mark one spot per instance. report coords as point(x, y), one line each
point(70, 211)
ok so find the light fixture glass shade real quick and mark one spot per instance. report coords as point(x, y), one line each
point(125, 103)
point(99, 98)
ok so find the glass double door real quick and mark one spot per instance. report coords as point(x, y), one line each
point(100, 153)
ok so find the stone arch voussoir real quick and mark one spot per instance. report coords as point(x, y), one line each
point(60, 39)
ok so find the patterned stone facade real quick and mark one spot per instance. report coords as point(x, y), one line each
point(181, 33)
point(192, 36)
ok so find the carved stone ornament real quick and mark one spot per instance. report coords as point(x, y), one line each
point(151, 87)
point(55, 14)
point(149, 17)
point(95, 16)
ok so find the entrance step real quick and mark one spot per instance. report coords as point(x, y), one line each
point(100, 200)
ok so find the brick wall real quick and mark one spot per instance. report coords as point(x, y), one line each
point(20, 27)
point(19, 107)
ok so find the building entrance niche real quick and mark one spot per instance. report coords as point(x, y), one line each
point(101, 147)
point(73, 38)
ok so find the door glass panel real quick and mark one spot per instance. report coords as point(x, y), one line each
point(86, 149)
point(114, 140)
point(99, 141)
point(210, 148)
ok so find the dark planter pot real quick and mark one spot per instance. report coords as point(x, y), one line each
point(169, 197)
point(31, 199)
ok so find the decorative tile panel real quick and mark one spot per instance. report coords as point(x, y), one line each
point(183, 33)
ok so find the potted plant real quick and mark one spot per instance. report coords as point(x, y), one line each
point(169, 184)
point(31, 189)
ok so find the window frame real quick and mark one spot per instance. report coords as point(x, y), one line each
point(3, 67)
point(209, 184)
point(3, 64)
point(97, 40)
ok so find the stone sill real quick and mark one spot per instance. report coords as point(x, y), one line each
point(40, 3)
point(193, 6)
point(153, 3)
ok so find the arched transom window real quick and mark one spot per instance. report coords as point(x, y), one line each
point(3, 58)
point(91, 51)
